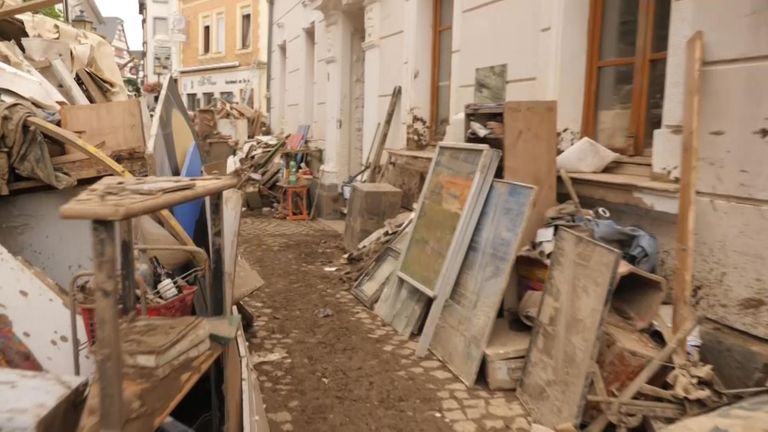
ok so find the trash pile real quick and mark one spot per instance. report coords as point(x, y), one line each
point(573, 319)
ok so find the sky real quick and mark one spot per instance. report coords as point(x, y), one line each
point(128, 10)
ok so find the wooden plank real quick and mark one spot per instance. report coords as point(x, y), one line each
point(115, 198)
point(686, 216)
point(469, 314)
point(376, 169)
point(93, 89)
point(30, 6)
point(116, 128)
point(68, 85)
point(530, 149)
point(576, 296)
point(157, 398)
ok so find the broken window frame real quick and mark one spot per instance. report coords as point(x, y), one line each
point(641, 62)
point(436, 132)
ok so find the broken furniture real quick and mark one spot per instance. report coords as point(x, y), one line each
point(110, 204)
point(294, 199)
point(370, 204)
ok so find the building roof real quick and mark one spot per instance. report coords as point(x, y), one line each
point(110, 28)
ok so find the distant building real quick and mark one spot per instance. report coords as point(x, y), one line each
point(164, 30)
point(113, 30)
point(225, 55)
point(87, 8)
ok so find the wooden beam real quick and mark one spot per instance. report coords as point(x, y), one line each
point(35, 5)
point(686, 216)
point(72, 140)
point(376, 169)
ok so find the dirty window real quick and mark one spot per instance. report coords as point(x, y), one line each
point(441, 68)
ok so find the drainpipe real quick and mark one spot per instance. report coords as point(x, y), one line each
point(269, 59)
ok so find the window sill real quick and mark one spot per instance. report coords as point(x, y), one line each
point(627, 189)
point(243, 50)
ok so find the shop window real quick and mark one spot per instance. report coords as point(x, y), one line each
point(191, 102)
point(228, 96)
point(441, 67)
point(207, 99)
point(626, 71)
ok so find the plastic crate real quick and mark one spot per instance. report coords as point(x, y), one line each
point(176, 307)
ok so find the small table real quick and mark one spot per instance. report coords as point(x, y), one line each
point(298, 191)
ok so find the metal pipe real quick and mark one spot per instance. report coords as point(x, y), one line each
point(73, 318)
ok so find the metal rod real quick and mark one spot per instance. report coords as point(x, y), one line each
point(107, 347)
point(73, 318)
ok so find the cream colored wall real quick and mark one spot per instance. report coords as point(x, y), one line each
point(194, 10)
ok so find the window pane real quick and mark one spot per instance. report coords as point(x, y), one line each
point(660, 26)
point(220, 33)
point(443, 110)
point(446, 12)
point(245, 41)
point(228, 96)
point(160, 26)
point(207, 99)
point(655, 100)
point(614, 105)
point(191, 102)
point(619, 31)
point(206, 39)
point(444, 73)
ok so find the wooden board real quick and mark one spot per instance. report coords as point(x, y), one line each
point(564, 343)
point(153, 399)
point(116, 128)
point(469, 314)
point(112, 198)
point(686, 215)
point(530, 149)
point(171, 133)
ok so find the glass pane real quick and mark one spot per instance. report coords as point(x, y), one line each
point(446, 12)
point(619, 31)
point(655, 100)
point(445, 197)
point(614, 105)
point(443, 110)
point(660, 26)
point(245, 37)
point(220, 33)
point(444, 73)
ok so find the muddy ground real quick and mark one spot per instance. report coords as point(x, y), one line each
point(347, 371)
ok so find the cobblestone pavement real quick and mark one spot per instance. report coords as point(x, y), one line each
point(347, 371)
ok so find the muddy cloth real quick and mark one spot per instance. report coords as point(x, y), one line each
point(24, 149)
point(638, 247)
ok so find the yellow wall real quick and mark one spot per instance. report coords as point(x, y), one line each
point(193, 10)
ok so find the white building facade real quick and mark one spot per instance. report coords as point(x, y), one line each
point(616, 69)
point(164, 30)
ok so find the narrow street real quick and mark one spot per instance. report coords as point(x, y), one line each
point(347, 371)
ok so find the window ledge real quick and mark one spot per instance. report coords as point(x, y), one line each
point(634, 190)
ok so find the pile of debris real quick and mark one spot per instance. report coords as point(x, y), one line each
point(459, 272)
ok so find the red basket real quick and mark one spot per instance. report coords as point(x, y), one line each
point(175, 307)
